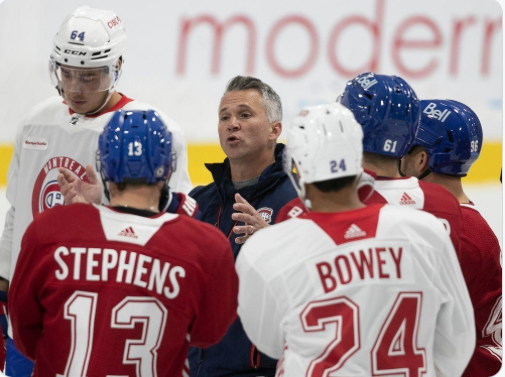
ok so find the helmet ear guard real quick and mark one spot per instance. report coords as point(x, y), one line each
point(387, 108)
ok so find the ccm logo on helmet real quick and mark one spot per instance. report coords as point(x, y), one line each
point(436, 114)
point(366, 83)
point(114, 22)
point(78, 53)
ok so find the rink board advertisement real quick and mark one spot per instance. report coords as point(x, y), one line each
point(181, 55)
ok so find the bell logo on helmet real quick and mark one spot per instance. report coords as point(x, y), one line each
point(366, 83)
point(436, 114)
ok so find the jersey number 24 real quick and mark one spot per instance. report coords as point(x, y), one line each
point(395, 350)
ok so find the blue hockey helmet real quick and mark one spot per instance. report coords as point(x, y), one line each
point(387, 108)
point(452, 134)
point(135, 146)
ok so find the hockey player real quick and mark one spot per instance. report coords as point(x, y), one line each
point(388, 110)
point(124, 289)
point(62, 132)
point(352, 290)
point(448, 141)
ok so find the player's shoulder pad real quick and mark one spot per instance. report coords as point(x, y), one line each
point(59, 212)
point(44, 111)
point(411, 222)
point(61, 218)
point(271, 240)
point(438, 196)
point(202, 232)
point(479, 225)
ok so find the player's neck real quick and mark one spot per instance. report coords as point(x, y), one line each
point(244, 168)
point(389, 170)
point(143, 197)
point(345, 199)
point(453, 184)
point(113, 100)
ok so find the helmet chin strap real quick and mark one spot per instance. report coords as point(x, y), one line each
point(300, 189)
point(61, 92)
point(98, 166)
point(303, 195)
point(421, 176)
point(111, 92)
point(105, 187)
point(424, 173)
point(400, 168)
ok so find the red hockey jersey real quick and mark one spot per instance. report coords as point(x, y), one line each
point(432, 198)
point(98, 292)
point(480, 262)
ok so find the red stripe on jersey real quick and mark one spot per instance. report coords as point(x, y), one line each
point(348, 226)
point(121, 103)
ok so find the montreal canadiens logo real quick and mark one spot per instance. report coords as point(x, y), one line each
point(46, 192)
point(266, 214)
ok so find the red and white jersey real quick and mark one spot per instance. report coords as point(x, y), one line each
point(51, 136)
point(98, 292)
point(480, 262)
point(429, 197)
point(374, 291)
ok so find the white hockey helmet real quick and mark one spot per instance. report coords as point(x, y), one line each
point(89, 39)
point(324, 142)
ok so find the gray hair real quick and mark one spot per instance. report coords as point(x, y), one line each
point(269, 98)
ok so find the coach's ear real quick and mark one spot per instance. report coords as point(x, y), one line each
point(275, 130)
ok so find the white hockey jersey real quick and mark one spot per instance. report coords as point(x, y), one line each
point(50, 137)
point(374, 291)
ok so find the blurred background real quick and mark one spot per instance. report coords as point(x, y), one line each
point(180, 56)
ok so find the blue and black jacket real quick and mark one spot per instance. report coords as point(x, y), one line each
point(235, 355)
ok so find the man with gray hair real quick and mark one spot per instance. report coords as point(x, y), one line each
point(250, 191)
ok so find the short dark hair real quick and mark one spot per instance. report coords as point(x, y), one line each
point(416, 149)
point(379, 158)
point(270, 99)
point(133, 183)
point(336, 184)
